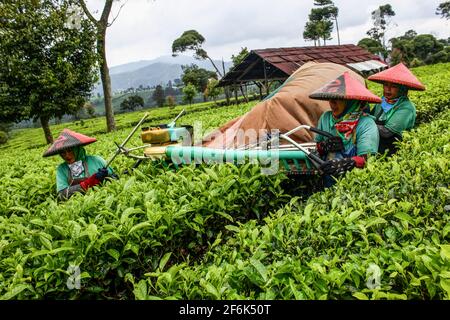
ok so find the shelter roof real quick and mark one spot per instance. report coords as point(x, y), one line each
point(280, 63)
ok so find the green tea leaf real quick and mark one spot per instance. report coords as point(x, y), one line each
point(140, 290)
point(360, 296)
point(164, 260)
point(445, 251)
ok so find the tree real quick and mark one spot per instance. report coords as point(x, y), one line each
point(101, 25)
point(426, 45)
point(382, 18)
point(212, 90)
point(189, 93)
point(414, 50)
point(169, 90)
point(47, 67)
point(320, 25)
point(198, 77)
point(329, 11)
point(240, 56)
point(158, 96)
point(192, 40)
point(444, 10)
point(372, 46)
point(89, 109)
point(131, 103)
point(171, 102)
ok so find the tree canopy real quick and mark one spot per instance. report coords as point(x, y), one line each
point(189, 93)
point(198, 77)
point(192, 40)
point(237, 59)
point(131, 103)
point(47, 67)
point(414, 49)
point(382, 19)
point(444, 10)
point(320, 24)
point(158, 96)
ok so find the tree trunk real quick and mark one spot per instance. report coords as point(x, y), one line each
point(226, 89)
point(106, 79)
point(46, 127)
point(217, 70)
point(337, 29)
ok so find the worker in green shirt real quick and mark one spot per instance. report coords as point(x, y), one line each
point(396, 113)
point(355, 133)
point(79, 171)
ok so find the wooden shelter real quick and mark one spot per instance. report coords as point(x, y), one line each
point(265, 66)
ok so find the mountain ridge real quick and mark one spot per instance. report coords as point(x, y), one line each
point(153, 72)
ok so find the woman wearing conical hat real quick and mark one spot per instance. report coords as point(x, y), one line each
point(355, 132)
point(79, 171)
point(396, 113)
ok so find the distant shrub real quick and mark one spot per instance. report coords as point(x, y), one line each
point(3, 137)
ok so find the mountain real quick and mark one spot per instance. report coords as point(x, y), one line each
point(153, 72)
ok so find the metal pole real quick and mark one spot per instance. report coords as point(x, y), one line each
point(118, 151)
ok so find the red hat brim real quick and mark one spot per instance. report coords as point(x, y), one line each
point(345, 87)
point(398, 74)
point(68, 139)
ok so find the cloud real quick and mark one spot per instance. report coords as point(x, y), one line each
point(145, 29)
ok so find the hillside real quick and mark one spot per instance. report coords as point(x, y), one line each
point(153, 72)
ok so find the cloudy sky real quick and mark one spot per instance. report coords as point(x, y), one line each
point(145, 29)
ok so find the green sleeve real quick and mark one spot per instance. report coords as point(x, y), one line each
point(367, 137)
point(62, 179)
point(320, 126)
point(402, 119)
point(95, 163)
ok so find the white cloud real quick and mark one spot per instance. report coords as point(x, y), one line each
point(145, 29)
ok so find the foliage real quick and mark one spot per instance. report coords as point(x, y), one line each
point(444, 10)
point(380, 233)
point(192, 40)
point(46, 68)
point(3, 137)
point(372, 46)
point(197, 76)
point(101, 26)
point(89, 109)
point(226, 232)
point(131, 103)
point(158, 96)
point(381, 20)
point(237, 59)
point(320, 23)
point(189, 93)
point(212, 90)
point(422, 49)
point(170, 101)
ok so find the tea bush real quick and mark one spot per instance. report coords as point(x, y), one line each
point(380, 233)
point(226, 232)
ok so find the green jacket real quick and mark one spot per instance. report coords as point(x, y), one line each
point(90, 163)
point(400, 118)
point(365, 140)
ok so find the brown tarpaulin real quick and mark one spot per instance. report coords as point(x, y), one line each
point(288, 108)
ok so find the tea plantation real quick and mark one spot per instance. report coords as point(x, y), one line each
point(227, 232)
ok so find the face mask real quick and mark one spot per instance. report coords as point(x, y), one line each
point(76, 168)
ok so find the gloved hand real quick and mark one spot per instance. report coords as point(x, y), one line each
point(332, 144)
point(101, 174)
point(337, 166)
point(90, 182)
point(95, 179)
